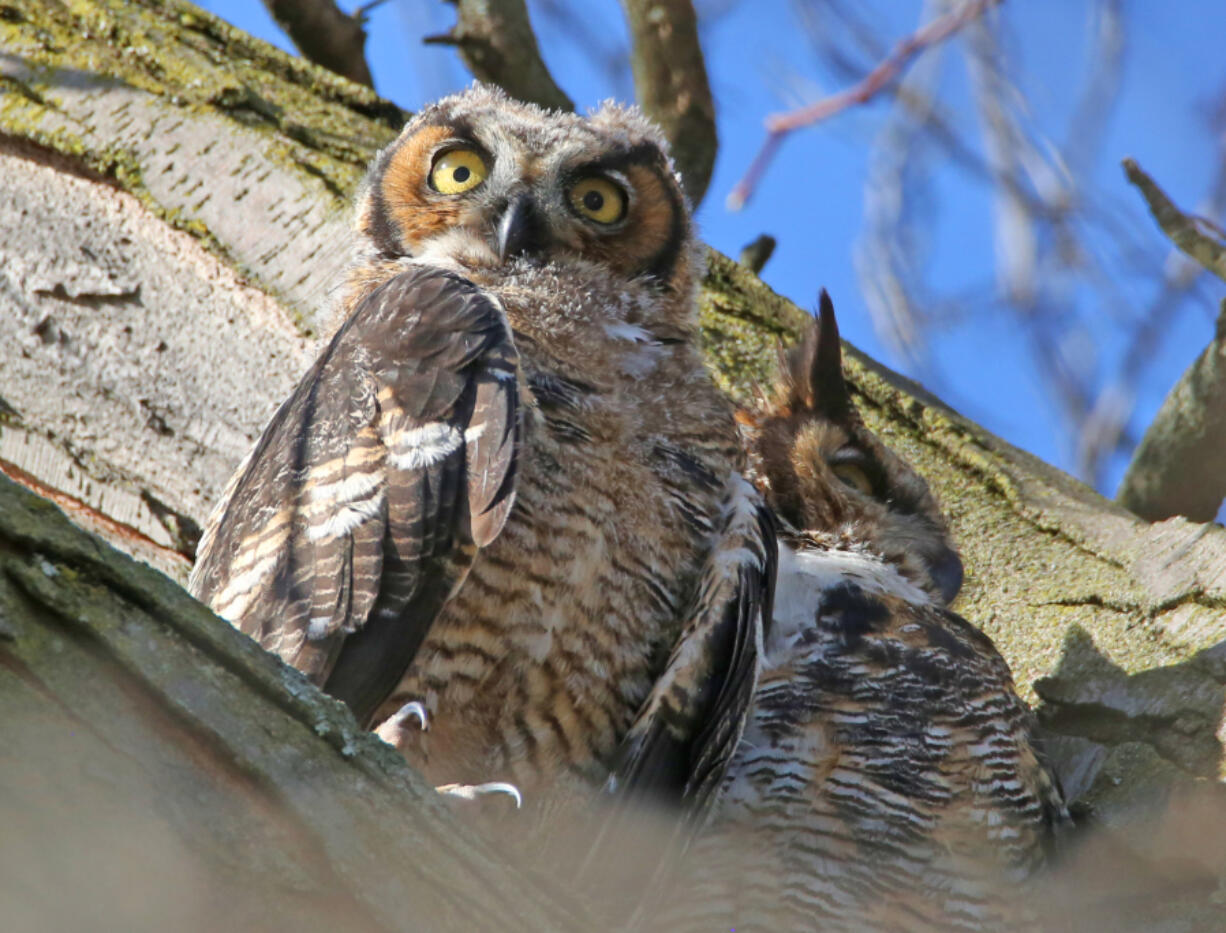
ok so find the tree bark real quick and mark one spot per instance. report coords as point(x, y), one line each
point(173, 213)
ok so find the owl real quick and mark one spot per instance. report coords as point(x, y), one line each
point(507, 489)
point(888, 778)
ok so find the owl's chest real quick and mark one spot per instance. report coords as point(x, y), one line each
point(543, 656)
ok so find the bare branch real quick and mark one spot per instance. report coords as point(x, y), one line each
point(757, 254)
point(781, 124)
point(1180, 465)
point(1201, 239)
point(496, 42)
point(1179, 468)
point(326, 34)
point(670, 80)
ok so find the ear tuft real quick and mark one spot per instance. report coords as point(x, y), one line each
point(812, 372)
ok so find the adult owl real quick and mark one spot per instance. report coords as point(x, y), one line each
point(888, 778)
point(507, 487)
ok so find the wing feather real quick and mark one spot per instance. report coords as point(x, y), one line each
point(686, 733)
point(359, 509)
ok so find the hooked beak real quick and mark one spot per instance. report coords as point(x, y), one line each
point(519, 230)
point(946, 573)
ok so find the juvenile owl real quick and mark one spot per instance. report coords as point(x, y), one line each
point(888, 777)
point(508, 486)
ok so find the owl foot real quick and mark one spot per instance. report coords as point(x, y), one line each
point(389, 730)
point(473, 791)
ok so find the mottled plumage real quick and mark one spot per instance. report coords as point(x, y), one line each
point(888, 777)
point(508, 485)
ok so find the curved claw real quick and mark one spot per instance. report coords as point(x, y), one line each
point(390, 728)
point(473, 791)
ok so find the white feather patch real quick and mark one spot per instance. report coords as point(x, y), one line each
point(418, 448)
point(346, 518)
point(805, 575)
point(357, 486)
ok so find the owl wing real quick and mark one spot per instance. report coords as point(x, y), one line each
point(361, 506)
point(686, 733)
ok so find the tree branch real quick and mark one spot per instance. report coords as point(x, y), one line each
point(496, 43)
point(1196, 236)
point(670, 80)
point(780, 125)
point(1179, 468)
point(326, 34)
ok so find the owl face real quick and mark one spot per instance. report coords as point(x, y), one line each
point(825, 471)
point(478, 182)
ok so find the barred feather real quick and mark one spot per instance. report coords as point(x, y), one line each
point(889, 776)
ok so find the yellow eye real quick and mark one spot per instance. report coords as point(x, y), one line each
point(457, 171)
point(599, 199)
point(854, 477)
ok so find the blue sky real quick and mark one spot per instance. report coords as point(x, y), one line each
point(812, 199)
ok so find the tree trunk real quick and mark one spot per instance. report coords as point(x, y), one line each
point(173, 209)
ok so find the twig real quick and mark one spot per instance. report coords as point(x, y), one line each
point(1199, 238)
point(781, 124)
point(757, 254)
point(326, 34)
point(670, 81)
point(495, 40)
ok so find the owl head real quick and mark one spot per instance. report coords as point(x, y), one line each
point(823, 471)
point(479, 182)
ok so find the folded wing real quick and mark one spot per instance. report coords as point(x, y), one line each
point(360, 508)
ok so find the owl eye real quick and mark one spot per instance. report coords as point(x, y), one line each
point(457, 171)
point(598, 199)
point(853, 476)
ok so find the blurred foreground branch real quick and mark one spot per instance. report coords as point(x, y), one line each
point(162, 772)
point(496, 43)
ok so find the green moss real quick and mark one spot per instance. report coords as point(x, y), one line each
point(316, 121)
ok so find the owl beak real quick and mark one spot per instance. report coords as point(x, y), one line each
point(946, 573)
point(519, 230)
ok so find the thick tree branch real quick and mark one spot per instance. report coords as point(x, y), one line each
point(1179, 468)
point(163, 772)
point(326, 34)
point(496, 42)
point(670, 80)
point(779, 125)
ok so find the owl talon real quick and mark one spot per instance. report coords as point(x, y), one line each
point(389, 730)
point(473, 791)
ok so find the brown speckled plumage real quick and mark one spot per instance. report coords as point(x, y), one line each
point(508, 486)
point(888, 778)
